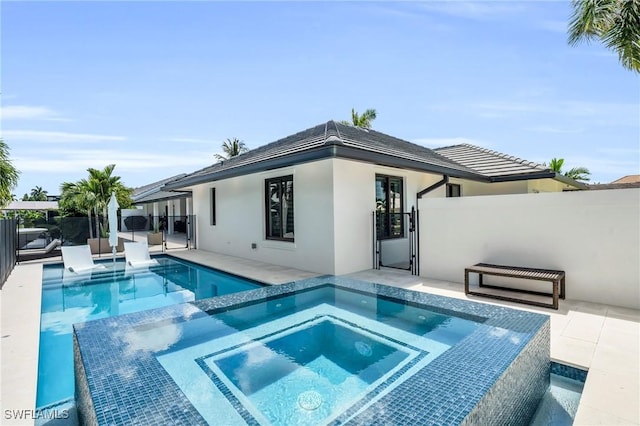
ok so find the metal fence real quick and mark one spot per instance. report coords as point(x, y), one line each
point(162, 233)
point(172, 232)
point(8, 237)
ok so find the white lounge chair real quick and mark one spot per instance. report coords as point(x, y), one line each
point(78, 259)
point(137, 254)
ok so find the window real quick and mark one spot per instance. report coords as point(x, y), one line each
point(279, 208)
point(453, 190)
point(213, 206)
point(389, 207)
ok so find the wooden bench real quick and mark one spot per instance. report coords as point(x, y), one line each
point(557, 278)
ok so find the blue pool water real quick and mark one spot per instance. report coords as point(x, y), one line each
point(560, 403)
point(322, 351)
point(306, 359)
point(68, 299)
point(310, 372)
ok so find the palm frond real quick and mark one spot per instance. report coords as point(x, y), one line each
point(623, 34)
point(556, 164)
point(615, 22)
point(579, 173)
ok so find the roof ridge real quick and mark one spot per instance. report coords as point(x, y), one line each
point(337, 130)
point(331, 133)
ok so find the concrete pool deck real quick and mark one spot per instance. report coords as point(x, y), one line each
point(603, 339)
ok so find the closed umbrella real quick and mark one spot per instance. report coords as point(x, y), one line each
point(112, 214)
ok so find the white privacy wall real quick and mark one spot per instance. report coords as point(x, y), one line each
point(592, 235)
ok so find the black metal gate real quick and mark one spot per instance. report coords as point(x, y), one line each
point(401, 250)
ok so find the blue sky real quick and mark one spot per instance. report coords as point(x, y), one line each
point(155, 87)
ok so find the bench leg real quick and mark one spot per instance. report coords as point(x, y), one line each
point(480, 284)
point(466, 282)
point(555, 294)
point(562, 288)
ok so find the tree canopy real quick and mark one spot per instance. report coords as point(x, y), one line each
point(91, 196)
point(231, 147)
point(363, 121)
point(36, 194)
point(576, 173)
point(8, 175)
point(615, 22)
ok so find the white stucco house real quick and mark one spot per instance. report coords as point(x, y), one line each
point(336, 199)
point(155, 204)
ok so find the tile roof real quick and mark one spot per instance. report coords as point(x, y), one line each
point(489, 163)
point(161, 195)
point(145, 188)
point(330, 139)
point(624, 185)
point(628, 179)
point(152, 192)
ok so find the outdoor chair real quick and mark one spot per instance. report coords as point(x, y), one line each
point(79, 259)
point(137, 254)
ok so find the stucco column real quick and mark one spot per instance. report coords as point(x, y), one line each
point(156, 211)
point(170, 217)
point(188, 207)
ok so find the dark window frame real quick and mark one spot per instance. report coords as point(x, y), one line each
point(281, 181)
point(213, 207)
point(386, 233)
point(450, 190)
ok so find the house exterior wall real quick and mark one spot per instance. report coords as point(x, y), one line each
point(472, 188)
point(333, 203)
point(240, 218)
point(354, 203)
point(594, 236)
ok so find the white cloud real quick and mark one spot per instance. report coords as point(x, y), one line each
point(479, 11)
point(554, 129)
point(194, 140)
point(24, 112)
point(136, 161)
point(605, 166)
point(598, 113)
point(57, 137)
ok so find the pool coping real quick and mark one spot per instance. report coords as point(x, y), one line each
point(106, 393)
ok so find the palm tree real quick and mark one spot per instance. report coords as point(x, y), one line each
point(78, 196)
point(363, 121)
point(576, 173)
point(102, 184)
point(579, 173)
point(8, 175)
point(38, 194)
point(556, 164)
point(232, 147)
point(615, 22)
point(92, 195)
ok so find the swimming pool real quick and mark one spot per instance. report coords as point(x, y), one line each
point(69, 298)
point(317, 351)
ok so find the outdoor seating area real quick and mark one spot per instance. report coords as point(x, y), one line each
point(50, 250)
point(557, 278)
point(79, 259)
point(137, 254)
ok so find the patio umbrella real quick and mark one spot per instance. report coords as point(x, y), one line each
point(112, 214)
